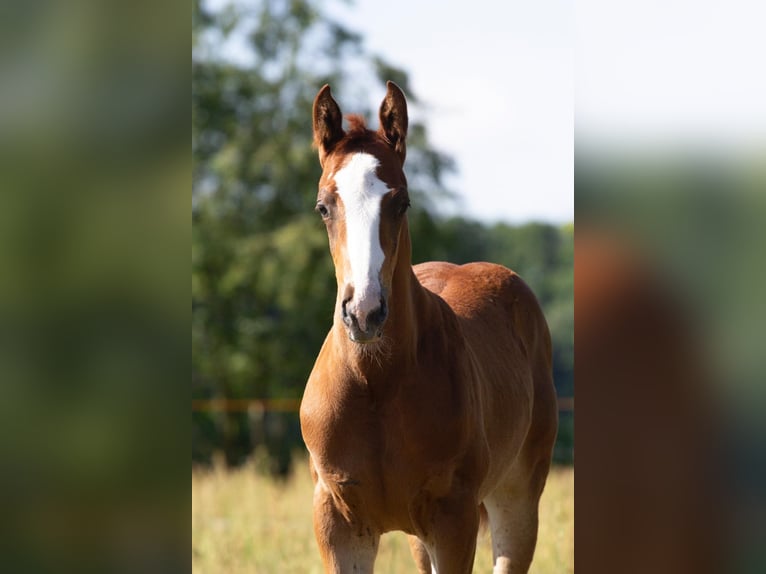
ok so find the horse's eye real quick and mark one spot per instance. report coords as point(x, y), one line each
point(403, 208)
point(323, 211)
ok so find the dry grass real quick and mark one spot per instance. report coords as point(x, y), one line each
point(244, 522)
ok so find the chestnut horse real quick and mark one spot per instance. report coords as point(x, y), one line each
point(432, 395)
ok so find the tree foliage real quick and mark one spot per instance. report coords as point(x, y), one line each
point(263, 286)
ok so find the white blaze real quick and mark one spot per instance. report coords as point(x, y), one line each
point(361, 191)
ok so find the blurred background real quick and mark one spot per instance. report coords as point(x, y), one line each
point(94, 235)
point(263, 286)
point(669, 181)
point(670, 175)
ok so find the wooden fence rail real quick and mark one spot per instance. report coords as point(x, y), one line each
point(566, 404)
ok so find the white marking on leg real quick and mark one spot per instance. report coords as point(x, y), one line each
point(500, 520)
point(512, 520)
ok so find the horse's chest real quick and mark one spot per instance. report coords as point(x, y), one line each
point(382, 455)
point(338, 428)
point(396, 441)
point(377, 464)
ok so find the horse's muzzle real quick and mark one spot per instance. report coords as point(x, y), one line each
point(361, 327)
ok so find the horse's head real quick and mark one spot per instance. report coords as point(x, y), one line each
point(362, 200)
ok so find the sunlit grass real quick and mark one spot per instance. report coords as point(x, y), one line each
point(245, 522)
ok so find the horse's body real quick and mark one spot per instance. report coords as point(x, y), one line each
point(432, 393)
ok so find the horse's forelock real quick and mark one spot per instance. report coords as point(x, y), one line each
point(356, 125)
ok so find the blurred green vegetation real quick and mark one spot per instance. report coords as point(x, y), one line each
point(263, 286)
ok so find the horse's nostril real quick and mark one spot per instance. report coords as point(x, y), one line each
point(348, 318)
point(363, 324)
point(378, 315)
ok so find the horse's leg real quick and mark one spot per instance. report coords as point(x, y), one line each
point(346, 545)
point(451, 539)
point(513, 523)
point(420, 554)
point(513, 506)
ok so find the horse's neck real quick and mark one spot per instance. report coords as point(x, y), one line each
point(411, 312)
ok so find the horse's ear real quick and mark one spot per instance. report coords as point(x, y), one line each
point(393, 119)
point(328, 122)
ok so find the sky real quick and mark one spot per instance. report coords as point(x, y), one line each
point(659, 74)
point(496, 79)
point(510, 89)
point(510, 86)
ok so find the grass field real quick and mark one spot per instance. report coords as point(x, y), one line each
point(244, 522)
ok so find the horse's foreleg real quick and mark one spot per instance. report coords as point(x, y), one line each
point(345, 543)
point(451, 537)
point(420, 554)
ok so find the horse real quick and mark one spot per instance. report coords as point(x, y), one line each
point(431, 406)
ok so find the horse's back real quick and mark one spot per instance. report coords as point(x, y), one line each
point(493, 304)
point(504, 326)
